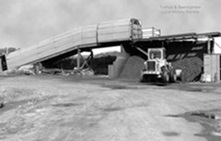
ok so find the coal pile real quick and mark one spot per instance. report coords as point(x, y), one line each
point(133, 68)
point(191, 68)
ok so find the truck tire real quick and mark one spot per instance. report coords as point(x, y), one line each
point(145, 78)
point(173, 77)
point(165, 77)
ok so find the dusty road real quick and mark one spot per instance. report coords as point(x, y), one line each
point(62, 109)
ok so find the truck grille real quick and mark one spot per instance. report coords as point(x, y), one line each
point(151, 66)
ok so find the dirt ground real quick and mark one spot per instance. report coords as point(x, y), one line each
point(66, 108)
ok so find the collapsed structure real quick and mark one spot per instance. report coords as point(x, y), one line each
point(186, 51)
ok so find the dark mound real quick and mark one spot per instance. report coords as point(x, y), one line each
point(133, 68)
point(191, 68)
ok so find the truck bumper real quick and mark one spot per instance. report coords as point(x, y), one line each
point(152, 74)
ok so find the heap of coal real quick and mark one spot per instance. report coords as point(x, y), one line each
point(133, 68)
point(191, 68)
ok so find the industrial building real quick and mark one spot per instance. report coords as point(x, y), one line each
point(191, 52)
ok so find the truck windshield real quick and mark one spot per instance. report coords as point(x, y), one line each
point(155, 54)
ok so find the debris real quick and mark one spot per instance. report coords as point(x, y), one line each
point(205, 78)
point(23, 70)
point(51, 71)
point(87, 72)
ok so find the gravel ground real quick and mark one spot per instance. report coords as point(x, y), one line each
point(58, 108)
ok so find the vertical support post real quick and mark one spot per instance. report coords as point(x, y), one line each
point(89, 59)
point(219, 71)
point(209, 46)
point(122, 50)
point(92, 55)
point(78, 59)
point(212, 44)
point(1, 66)
point(159, 32)
point(152, 31)
point(92, 58)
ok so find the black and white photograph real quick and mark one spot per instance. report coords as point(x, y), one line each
point(110, 70)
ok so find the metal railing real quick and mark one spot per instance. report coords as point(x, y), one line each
point(151, 32)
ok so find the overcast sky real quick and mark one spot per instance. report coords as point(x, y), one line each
point(24, 22)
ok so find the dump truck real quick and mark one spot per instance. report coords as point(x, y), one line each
point(156, 67)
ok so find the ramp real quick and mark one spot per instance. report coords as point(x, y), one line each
point(84, 37)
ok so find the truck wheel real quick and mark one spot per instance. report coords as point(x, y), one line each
point(145, 78)
point(173, 77)
point(165, 77)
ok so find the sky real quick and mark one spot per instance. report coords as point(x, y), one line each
point(25, 22)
